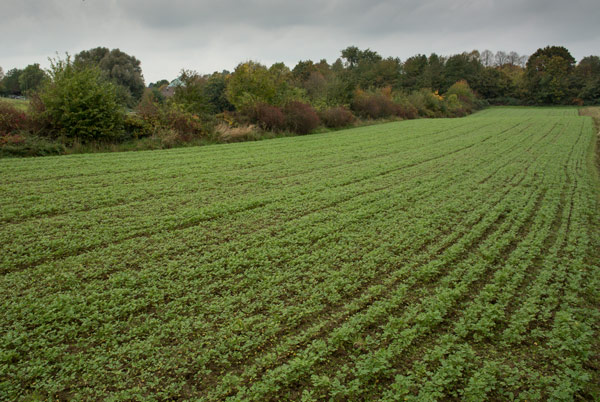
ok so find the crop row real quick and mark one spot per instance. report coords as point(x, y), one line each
point(425, 260)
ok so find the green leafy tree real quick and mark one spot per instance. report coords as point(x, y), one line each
point(215, 88)
point(191, 93)
point(382, 73)
point(587, 79)
point(253, 83)
point(32, 78)
point(353, 56)
point(493, 83)
point(158, 83)
point(302, 71)
point(11, 82)
point(119, 67)
point(79, 103)
point(433, 76)
point(548, 75)
point(413, 72)
point(464, 66)
point(250, 83)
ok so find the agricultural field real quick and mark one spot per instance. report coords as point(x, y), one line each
point(453, 259)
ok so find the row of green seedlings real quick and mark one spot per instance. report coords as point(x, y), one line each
point(384, 245)
point(484, 381)
point(141, 221)
point(419, 320)
point(47, 197)
point(444, 369)
point(432, 266)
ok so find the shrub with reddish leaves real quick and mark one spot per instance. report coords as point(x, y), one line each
point(300, 117)
point(268, 117)
point(11, 119)
point(337, 117)
point(373, 106)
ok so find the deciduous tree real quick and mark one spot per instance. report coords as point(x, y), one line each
point(119, 67)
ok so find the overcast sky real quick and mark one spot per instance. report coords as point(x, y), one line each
point(206, 36)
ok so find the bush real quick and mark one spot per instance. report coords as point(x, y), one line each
point(137, 127)
point(455, 107)
point(268, 117)
point(427, 103)
point(373, 106)
point(151, 117)
point(300, 117)
point(11, 119)
point(463, 92)
point(337, 117)
point(403, 108)
point(80, 104)
point(149, 107)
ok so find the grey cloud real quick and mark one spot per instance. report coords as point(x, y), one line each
point(211, 35)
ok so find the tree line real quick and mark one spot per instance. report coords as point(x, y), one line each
point(549, 76)
point(100, 94)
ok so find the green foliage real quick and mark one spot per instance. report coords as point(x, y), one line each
point(413, 71)
point(120, 68)
point(190, 95)
point(464, 93)
point(32, 78)
point(215, 92)
point(252, 83)
point(464, 66)
point(158, 83)
point(137, 127)
point(427, 103)
point(80, 104)
point(548, 75)
point(10, 83)
point(494, 83)
point(587, 79)
point(354, 56)
point(170, 119)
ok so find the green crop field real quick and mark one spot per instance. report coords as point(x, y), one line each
point(419, 260)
